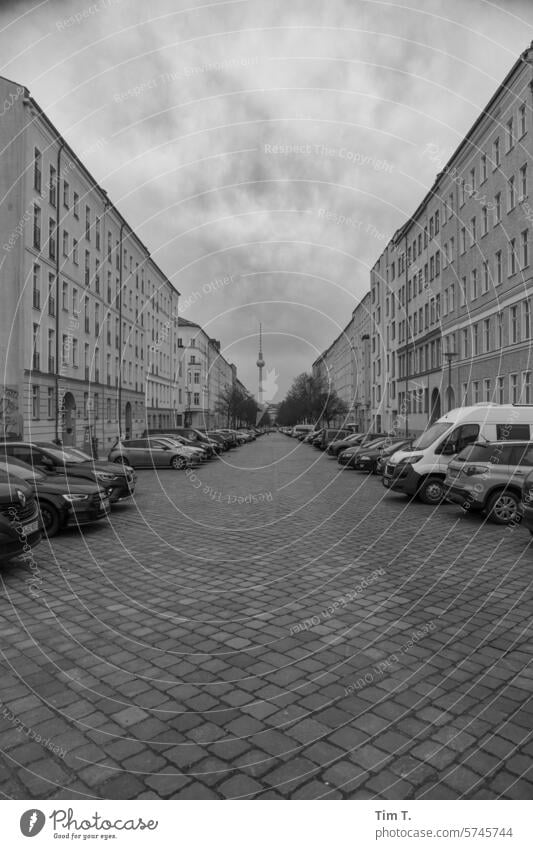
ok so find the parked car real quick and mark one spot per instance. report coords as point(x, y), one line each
point(369, 457)
point(422, 469)
point(118, 483)
point(220, 438)
point(349, 456)
point(526, 505)
point(195, 455)
point(20, 523)
point(191, 433)
point(330, 434)
point(489, 476)
point(302, 430)
point(355, 439)
point(149, 453)
point(386, 452)
point(61, 501)
point(200, 448)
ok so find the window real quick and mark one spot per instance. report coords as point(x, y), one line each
point(496, 152)
point(513, 392)
point(86, 314)
point(484, 220)
point(500, 390)
point(512, 257)
point(65, 243)
point(35, 402)
point(36, 361)
point(87, 269)
point(87, 224)
point(51, 295)
point(499, 268)
point(75, 255)
point(65, 349)
point(509, 135)
point(524, 248)
point(36, 286)
point(500, 330)
point(486, 277)
point(514, 325)
point(475, 340)
point(486, 389)
point(483, 168)
point(97, 233)
point(64, 295)
point(66, 194)
point(463, 239)
point(522, 119)
point(526, 389)
point(52, 186)
point(527, 320)
point(473, 231)
point(437, 222)
point(50, 405)
point(452, 248)
point(75, 306)
point(37, 227)
point(497, 208)
point(51, 238)
point(464, 394)
point(76, 205)
point(452, 297)
point(461, 192)
point(475, 392)
point(523, 182)
point(37, 170)
point(486, 335)
point(463, 291)
point(511, 194)
point(464, 343)
point(473, 284)
point(97, 320)
point(196, 399)
point(51, 352)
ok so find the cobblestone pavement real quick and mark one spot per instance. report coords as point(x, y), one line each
point(327, 640)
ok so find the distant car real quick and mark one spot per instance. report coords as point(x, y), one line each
point(195, 455)
point(61, 501)
point(118, 483)
point(20, 522)
point(489, 476)
point(191, 433)
point(349, 456)
point(328, 435)
point(371, 458)
point(149, 453)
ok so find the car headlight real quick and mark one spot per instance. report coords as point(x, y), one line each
point(411, 458)
point(71, 498)
point(106, 476)
point(364, 457)
point(475, 470)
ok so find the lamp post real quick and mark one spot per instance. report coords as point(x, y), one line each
point(449, 355)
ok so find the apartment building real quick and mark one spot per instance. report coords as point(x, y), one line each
point(203, 374)
point(450, 296)
point(88, 320)
point(344, 365)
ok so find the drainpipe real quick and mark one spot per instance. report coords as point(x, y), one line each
point(58, 192)
point(120, 264)
point(407, 342)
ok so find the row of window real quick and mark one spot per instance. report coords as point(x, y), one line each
point(91, 404)
point(490, 334)
point(508, 389)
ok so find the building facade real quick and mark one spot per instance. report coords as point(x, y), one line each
point(88, 326)
point(450, 296)
point(203, 373)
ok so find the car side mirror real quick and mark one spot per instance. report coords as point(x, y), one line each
point(449, 448)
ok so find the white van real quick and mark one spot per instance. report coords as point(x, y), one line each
point(422, 469)
point(302, 430)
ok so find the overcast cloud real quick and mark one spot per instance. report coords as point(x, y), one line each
point(176, 108)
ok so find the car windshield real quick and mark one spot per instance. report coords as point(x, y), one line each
point(81, 454)
point(431, 434)
point(21, 470)
point(478, 453)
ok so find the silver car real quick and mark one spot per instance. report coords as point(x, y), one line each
point(149, 453)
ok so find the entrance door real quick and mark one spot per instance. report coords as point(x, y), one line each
point(69, 420)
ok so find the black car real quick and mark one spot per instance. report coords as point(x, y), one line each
point(20, 523)
point(61, 501)
point(118, 483)
point(368, 459)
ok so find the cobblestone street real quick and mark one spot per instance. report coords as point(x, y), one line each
point(270, 627)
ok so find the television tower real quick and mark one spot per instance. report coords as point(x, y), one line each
point(260, 365)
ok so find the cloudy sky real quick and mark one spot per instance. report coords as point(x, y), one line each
point(264, 151)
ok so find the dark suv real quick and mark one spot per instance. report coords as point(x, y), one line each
point(118, 483)
point(20, 524)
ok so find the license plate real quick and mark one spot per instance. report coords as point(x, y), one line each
point(31, 527)
point(386, 482)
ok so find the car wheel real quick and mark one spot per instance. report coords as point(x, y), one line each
point(502, 507)
point(431, 491)
point(50, 518)
point(121, 461)
point(178, 462)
